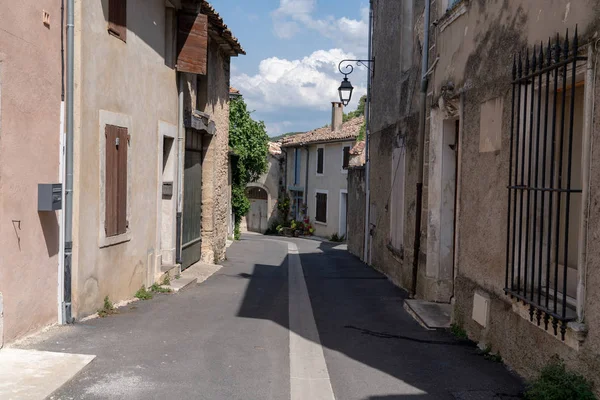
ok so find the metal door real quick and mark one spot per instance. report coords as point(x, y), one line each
point(192, 202)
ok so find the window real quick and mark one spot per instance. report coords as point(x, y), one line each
point(397, 199)
point(321, 214)
point(297, 160)
point(117, 18)
point(320, 152)
point(346, 157)
point(115, 220)
point(545, 184)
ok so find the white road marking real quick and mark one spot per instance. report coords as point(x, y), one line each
point(309, 378)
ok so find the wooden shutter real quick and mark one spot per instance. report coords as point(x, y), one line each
point(320, 161)
point(346, 157)
point(122, 181)
point(117, 18)
point(111, 181)
point(192, 43)
point(321, 207)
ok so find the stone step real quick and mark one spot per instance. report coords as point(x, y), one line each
point(429, 315)
point(171, 270)
point(177, 285)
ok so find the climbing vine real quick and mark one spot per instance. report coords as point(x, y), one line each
point(250, 144)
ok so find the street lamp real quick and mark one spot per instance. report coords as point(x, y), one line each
point(346, 87)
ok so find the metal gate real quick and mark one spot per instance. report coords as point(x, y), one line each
point(192, 201)
point(541, 189)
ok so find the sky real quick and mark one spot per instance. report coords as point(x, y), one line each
point(290, 76)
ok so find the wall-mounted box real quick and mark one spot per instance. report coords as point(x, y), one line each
point(167, 189)
point(49, 196)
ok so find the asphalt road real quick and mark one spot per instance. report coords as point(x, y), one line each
point(230, 337)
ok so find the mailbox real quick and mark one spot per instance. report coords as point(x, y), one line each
point(49, 196)
point(167, 190)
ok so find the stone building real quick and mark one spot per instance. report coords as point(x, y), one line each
point(151, 144)
point(30, 150)
point(317, 172)
point(265, 192)
point(510, 175)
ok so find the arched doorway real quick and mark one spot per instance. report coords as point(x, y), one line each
point(257, 219)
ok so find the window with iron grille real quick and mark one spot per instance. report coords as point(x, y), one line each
point(117, 18)
point(545, 182)
point(346, 159)
point(320, 152)
point(321, 213)
point(115, 219)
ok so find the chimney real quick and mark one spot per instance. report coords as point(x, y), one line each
point(337, 115)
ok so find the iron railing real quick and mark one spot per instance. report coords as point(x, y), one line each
point(540, 189)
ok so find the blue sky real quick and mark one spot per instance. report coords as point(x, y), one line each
point(289, 76)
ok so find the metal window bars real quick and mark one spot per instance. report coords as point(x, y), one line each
point(541, 139)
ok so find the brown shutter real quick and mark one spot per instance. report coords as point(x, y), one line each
point(117, 18)
point(110, 182)
point(122, 182)
point(192, 43)
point(321, 207)
point(320, 161)
point(346, 157)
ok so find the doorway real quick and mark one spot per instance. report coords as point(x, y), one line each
point(191, 248)
point(257, 218)
point(343, 213)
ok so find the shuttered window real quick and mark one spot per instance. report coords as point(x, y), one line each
point(321, 214)
point(117, 143)
point(117, 18)
point(320, 160)
point(346, 159)
point(192, 43)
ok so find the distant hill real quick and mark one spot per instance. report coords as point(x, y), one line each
point(276, 138)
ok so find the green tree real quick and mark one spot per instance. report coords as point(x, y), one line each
point(360, 109)
point(250, 143)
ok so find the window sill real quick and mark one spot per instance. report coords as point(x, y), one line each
point(452, 14)
point(114, 240)
point(320, 223)
point(344, 171)
point(116, 34)
point(317, 174)
point(399, 254)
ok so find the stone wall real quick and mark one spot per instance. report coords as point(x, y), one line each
point(356, 211)
point(470, 61)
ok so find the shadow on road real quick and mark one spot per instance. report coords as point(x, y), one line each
point(360, 315)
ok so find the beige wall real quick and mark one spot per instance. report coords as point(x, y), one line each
point(476, 58)
point(270, 182)
point(30, 90)
point(131, 80)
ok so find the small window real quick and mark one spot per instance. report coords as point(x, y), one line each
point(117, 18)
point(321, 208)
point(115, 220)
point(346, 159)
point(320, 151)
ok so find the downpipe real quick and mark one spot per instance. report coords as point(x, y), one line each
point(180, 165)
point(421, 150)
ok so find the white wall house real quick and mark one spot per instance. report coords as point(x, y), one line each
point(317, 173)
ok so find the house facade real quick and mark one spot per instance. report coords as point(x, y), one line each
point(317, 171)
point(30, 143)
point(509, 190)
point(151, 187)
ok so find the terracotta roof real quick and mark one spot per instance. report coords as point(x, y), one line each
point(358, 148)
point(221, 30)
point(233, 90)
point(274, 148)
point(349, 130)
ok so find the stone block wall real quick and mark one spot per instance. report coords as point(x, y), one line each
point(356, 211)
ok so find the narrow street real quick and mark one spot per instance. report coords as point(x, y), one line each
point(240, 333)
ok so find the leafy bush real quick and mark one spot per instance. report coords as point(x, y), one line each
point(143, 294)
point(337, 238)
point(556, 383)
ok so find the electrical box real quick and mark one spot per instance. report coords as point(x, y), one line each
point(49, 196)
point(167, 189)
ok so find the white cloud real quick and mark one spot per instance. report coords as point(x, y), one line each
point(345, 32)
point(307, 83)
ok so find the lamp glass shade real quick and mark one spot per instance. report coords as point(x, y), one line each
point(345, 90)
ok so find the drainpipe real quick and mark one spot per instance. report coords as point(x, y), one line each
point(423, 104)
point(366, 251)
point(68, 200)
point(180, 165)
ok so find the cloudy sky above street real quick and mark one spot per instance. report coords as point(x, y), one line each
point(290, 75)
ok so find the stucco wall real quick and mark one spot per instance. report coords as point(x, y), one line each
point(394, 123)
point(270, 181)
point(356, 211)
point(477, 58)
point(30, 90)
point(130, 79)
